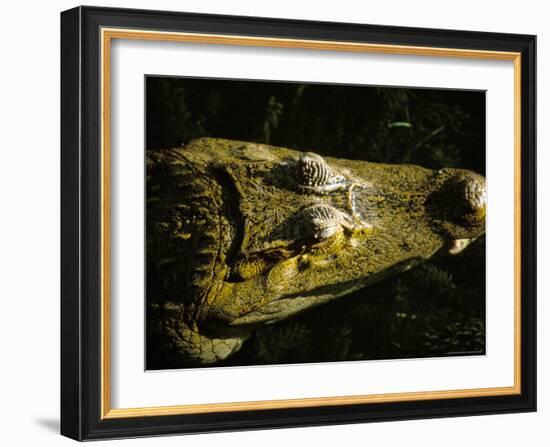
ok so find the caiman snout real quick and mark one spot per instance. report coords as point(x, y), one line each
point(450, 202)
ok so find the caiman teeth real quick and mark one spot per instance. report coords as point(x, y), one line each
point(457, 245)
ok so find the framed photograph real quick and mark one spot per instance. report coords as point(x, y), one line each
point(275, 223)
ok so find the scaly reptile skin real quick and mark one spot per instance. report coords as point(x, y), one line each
point(242, 234)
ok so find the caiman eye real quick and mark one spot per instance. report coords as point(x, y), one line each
point(315, 175)
point(318, 223)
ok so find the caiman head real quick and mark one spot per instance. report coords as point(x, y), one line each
point(297, 230)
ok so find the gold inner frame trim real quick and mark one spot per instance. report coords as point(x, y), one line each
point(107, 35)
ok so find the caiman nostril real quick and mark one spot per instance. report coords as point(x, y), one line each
point(464, 199)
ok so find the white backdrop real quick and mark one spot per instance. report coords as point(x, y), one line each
point(29, 233)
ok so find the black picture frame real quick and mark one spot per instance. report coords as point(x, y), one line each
point(82, 413)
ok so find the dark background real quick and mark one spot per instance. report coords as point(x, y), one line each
point(437, 309)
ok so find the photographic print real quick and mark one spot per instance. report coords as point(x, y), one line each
point(273, 203)
point(296, 222)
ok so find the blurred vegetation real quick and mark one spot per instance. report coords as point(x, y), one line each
point(436, 309)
